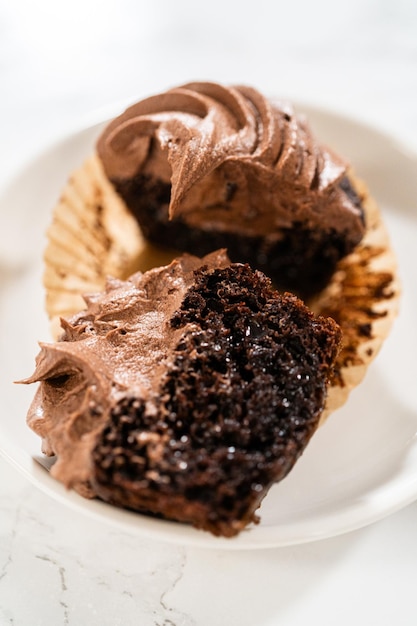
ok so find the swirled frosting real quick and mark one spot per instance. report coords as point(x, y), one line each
point(121, 343)
point(185, 392)
point(235, 161)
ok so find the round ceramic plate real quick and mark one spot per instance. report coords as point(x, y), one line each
point(360, 466)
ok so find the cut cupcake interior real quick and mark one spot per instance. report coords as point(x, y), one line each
point(185, 392)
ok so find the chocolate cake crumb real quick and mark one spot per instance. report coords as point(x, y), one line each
point(234, 411)
point(301, 260)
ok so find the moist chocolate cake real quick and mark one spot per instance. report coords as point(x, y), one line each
point(184, 392)
point(187, 391)
point(205, 166)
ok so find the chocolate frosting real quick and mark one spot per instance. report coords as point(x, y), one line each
point(120, 343)
point(233, 158)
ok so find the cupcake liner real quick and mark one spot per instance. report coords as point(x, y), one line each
point(363, 297)
point(93, 236)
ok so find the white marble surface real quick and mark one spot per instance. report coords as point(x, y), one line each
point(58, 64)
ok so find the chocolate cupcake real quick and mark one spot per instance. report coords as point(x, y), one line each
point(204, 166)
point(184, 392)
point(228, 378)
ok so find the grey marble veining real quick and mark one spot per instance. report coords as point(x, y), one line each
point(59, 567)
point(67, 568)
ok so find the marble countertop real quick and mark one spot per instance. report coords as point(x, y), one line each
point(59, 65)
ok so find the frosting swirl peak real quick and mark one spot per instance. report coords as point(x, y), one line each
point(229, 161)
point(203, 125)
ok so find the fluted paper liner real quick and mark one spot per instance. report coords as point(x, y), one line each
point(363, 297)
point(93, 235)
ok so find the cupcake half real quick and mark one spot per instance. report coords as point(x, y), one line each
point(202, 167)
point(185, 392)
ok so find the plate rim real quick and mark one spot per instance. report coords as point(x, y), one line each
point(255, 537)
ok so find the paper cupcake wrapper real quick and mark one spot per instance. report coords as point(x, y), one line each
point(363, 297)
point(93, 236)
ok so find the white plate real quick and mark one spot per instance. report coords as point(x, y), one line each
point(361, 466)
